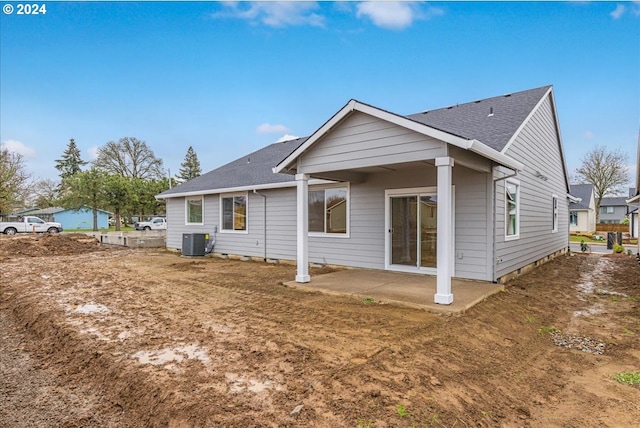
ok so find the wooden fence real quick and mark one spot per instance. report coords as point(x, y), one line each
point(606, 227)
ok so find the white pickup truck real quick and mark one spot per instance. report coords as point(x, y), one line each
point(156, 223)
point(29, 224)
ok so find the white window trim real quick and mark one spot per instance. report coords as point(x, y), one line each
point(573, 214)
point(506, 211)
point(554, 215)
point(335, 235)
point(186, 210)
point(231, 195)
point(414, 191)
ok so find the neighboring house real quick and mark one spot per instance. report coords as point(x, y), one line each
point(582, 215)
point(634, 199)
point(613, 210)
point(73, 219)
point(633, 213)
point(477, 190)
point(633, 223)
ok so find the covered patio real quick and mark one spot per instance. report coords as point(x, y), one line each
point(404, 289)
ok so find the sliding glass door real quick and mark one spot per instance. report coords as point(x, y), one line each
point(413, 230)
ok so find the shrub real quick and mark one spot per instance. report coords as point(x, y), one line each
point(617, 248)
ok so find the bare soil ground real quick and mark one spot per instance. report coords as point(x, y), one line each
point(97, 336)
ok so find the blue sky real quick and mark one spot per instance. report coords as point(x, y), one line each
point(230, 78)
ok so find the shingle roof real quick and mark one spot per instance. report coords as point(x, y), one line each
point(582, 191)
point(250, 170)
point(614, 201)
point(470, 120)
point(473, 120)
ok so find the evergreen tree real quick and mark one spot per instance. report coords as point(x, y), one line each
point(86, 188)
point(71, 162)
point(190, 168)
point(119, 194)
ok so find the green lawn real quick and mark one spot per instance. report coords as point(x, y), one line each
point(586, 239)
point(576, 238)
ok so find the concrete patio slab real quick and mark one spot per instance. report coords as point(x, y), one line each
point(411, 290)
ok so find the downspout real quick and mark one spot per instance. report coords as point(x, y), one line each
point(494, 262)
point(255, 192)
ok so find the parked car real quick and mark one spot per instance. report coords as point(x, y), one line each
point(156, 223)
point(29, 224)
point(112, 221)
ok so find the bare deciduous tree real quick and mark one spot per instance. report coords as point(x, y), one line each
point(44, 193)
point(14, 180)
point(129, 157)
point(606, 170)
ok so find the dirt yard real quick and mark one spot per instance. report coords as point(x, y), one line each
point(98, 336)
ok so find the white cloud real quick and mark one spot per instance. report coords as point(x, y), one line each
point(395, 15)
point(618, 12)
point(93, 153)
point(274, 13)
point(589, 135)
point(19, 147)
point(267, 128)
point(286, 137)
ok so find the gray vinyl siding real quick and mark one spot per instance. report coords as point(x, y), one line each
point(473, 246)
point(538, 148)
point(362, 141)
point(365, 246)
point(619, 214)
point(281, 221)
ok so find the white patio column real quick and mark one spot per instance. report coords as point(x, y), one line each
point(302, 227)
point(445, 228)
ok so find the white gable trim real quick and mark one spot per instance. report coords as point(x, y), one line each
point(549, 94)
point(524, 122)
point(353, 105)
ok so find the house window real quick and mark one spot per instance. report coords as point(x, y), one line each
point(573, 218)
point(194, 210)
point(328, 211)
point(554, 219)
point(234, 212)
point(606, 210)
point(512, 209)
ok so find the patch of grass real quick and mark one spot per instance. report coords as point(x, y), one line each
point(530, 318)
point(364, 423)
point(548, 329)
point(368, 300)
point(627, 332)
point(630, 378)
point(432, 420)
point(402, 411)
point(614, 298)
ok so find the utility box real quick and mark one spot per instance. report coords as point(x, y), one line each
point(194, 244)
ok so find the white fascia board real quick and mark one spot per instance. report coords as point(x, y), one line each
point(575, 200)
point(454, 140)
point(354, 105)
point(241, 189)
point(525, 121)
point(636, 198)
point(344, 111)
point(494, 155)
